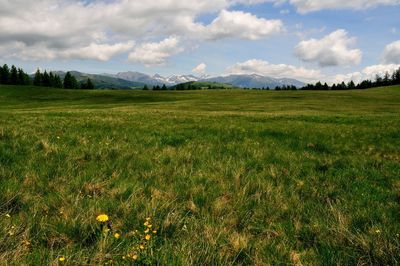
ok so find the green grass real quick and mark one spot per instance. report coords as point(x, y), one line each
point(228, 177)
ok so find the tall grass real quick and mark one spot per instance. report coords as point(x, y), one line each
point(227, 177)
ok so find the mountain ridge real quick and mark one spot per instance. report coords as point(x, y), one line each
point(135, 80)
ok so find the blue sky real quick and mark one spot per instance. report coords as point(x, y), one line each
point(308, 40)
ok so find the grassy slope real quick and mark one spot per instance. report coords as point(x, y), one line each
point(229, 177)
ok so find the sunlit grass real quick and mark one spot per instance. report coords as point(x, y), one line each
point(227, 177)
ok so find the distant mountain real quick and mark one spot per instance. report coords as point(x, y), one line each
point(255, 81)
point(104, 81)
point(136, 80)
point(156, 79)
point(241, 81)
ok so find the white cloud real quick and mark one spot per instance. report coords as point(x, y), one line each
point(309, 75)
point(100, 52)
point(369, 73)
point(275, 70)
point(156, 54)
point(200, 69)
point(231, 24)
point(305, 6)
point(391, 54)
point(331, 50)
point(101, 29)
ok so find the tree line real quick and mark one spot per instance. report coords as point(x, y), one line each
point(14, 76)
point(386, 80)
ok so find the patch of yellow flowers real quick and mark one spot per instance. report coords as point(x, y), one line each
point(139, 249)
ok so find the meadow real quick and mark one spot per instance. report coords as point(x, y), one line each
point(225, 177)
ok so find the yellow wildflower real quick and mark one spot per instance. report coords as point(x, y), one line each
point(116, 235)
point(147, 237)
point(133, 256)
point(155, 232)
point(146, 231)
point(150, 226)
point(146, 223)
point(148, 219)
point(102, 218)
point(8, 216)
point(141, 247)
point(378, 231)
point(62, 258)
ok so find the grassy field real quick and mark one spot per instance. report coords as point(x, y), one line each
point(226, 177)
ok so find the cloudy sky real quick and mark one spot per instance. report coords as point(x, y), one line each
point(309, 40)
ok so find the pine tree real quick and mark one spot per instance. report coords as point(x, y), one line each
point(46, 79)
point(386, 79)
point(164, 88)
point(88, 85)
point(351, 85)
point(13, 76)
point(145, 88)
point(70, 82)
point(57, 82)
point(22, 77)
point(397, 77)
point(37, 81)
point(5, 74)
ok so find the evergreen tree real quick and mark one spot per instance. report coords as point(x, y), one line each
point(145, 88)
point(378, 81)
point(37, 81)
point(23, 78)
point(13, 76)
point(70, 82)
point(5, 74)
point(397, 77)
point(57, 82)
point(351, 85)
point(46, 79)
point(164, 88)
point(88, 85)
point(386, 79)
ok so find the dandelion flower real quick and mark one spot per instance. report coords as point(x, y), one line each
point(155, 232)
point(148, 219)
point(8, 216)
point(147, 237)
point(102, 218)
point(62, 258)
point(146, 223)
point(116, 235)
point(135, 257)
point(141, 247)
point(146, 231)
point(378, 231)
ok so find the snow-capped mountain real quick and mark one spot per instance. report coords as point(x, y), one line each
point(239, 80)
point(155, 80)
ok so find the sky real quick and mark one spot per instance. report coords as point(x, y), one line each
point(308, 40)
